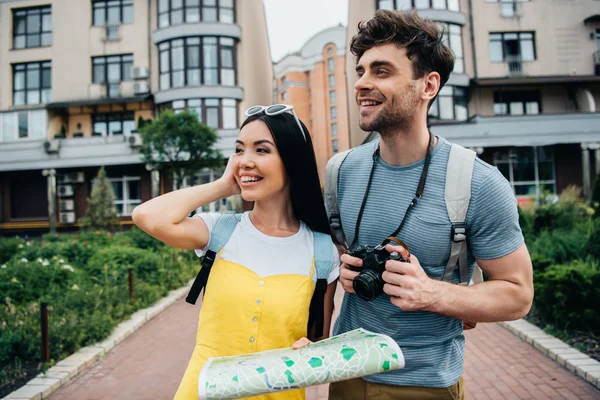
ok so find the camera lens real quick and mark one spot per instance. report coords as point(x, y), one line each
point(368, 285)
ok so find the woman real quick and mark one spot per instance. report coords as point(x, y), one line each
point(260, 287)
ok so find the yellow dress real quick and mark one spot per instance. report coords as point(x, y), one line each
point(244, 313)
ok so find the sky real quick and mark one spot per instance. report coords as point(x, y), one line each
point(292, 22)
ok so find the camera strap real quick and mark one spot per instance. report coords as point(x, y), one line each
point(412, 204)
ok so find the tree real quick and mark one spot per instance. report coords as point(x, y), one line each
point(179, 144)
point(101, 212)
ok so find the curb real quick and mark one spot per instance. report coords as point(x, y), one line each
point(566, 356)
point(43, 385)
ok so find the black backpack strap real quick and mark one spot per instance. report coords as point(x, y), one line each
point(219, 235)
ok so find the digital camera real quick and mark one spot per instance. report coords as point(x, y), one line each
point(368, 284)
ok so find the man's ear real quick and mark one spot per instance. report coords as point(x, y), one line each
point(431, 86)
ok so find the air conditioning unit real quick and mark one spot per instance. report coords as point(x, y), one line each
point(64, 190)
point(66, 205)
point(140, 87)
point(135, 140)
point(52, 146)
point(67, 217)
point(71, 177)
point(139, 72)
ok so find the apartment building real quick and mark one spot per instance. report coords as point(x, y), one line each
point(525, 90)
point(79, 75)
point(312, 79)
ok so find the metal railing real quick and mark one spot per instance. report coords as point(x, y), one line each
point(515, 66)
point(112, 32)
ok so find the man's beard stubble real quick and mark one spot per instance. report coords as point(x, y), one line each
point(397, 116)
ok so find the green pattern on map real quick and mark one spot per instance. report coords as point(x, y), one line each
point(350, 355)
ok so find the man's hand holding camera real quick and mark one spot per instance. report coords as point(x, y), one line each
point(404, 281)
point(409, 287)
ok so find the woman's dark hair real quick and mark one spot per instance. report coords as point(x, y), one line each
point(422, 38)
point(298, 157)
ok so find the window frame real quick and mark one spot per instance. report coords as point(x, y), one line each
point(202, 101)
point(432, 117)
point(124, 61)
point(43, 65)
point(42, 11)
point(201, 7)
point(430, 5)
point(107, 121)
point(503, 44)
point(124, 180)
point(517, 96)
point(167, 47)
point(122, 5)
point(511, 160)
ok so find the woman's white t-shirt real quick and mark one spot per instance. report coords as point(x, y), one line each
point(268, 255)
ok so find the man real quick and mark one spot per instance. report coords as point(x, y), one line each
point(401, 64)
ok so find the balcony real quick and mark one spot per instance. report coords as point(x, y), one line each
point(597, 63)
point(526, 130)
point(510, 9)
point(515, 66)
point(112, 33)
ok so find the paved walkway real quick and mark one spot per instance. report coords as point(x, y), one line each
point(149, 364)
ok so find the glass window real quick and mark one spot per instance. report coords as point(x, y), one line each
point(530, 170)
point(217, 113)
point(330, 65)
point(451, 104)
point(174, 12)
point(452, 5)
point(334, 130)
point(333, 113)
point(331, 80)
point(517, 103)
point(334, 145)
point(23, 125)
point(32, 27)
point(32, 83)
point(111, 71)
point(109, 124)
point(332, 97)
point(512, 46)
point(283, 96)
point(196, 61)
point(113, 12)
point(127, 191)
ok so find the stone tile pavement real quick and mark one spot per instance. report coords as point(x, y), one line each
point(150, 363)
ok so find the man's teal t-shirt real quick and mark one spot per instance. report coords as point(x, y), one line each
point(433, 344)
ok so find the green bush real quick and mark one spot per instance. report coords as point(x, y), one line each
point(84, 280)
point(592, 247)
point(563, 214)
point(8, 248)
point(560, 245)
point(568, 295)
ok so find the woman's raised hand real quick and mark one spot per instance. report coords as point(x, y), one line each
point(228, 179)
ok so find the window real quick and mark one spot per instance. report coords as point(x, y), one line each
point(331, 80)
point(452, 5)
point(32, 83)
point(509, 7)
point(109, 124)
point(197, 61)
point(23, 125)
point(127, 194)
point(512, 46)
point(174, 12)
point(111, 71)
point(331, 65)
point(284, 96)
point(283, 80)
point(530, 170)
point(332, 97)
point(112, 12)
point(517, 103)
point(334, 131)
point(330, 50)
point(453, 38)
point(215, 113)
point(450, 104)
point(333, 113)
point(334, 145)
point(32, 27)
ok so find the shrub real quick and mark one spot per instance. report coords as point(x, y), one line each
point(568, 295)
point(142, 240)
point(560, 245)
point(592, 247)
point(563, 214)
point(8, 248)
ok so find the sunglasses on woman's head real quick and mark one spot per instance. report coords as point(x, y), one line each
point(275, 109)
